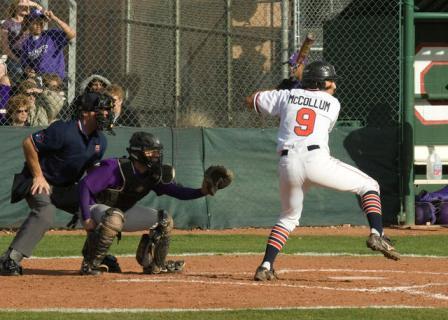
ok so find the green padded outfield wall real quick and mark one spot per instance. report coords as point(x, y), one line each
point(252, 200)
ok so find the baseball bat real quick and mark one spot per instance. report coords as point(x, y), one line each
point(304, 50)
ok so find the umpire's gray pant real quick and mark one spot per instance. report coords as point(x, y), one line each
point(41, 217)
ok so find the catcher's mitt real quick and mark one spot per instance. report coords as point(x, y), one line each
point(216, 177)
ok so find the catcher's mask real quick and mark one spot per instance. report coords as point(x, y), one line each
point(98, 103)
point(316, 73)
point(147, 149)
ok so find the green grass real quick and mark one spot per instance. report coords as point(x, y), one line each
point(333, 314)
point(70, 245)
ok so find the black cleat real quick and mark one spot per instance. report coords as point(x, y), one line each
point(112, 264)
point(89, 270)
point(9, 267)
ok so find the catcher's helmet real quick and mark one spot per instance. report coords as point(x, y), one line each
point(143, 141)
point(315, 74)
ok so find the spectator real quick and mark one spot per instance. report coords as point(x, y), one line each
point(42, 51)
point(116, 92)
point(52, 81)
point(45, 104)
point(13, 34)
point(18, 108)
point(5, 92)
point(53, 96)
point(124, 115)
point(37, 113)
point(94, 83)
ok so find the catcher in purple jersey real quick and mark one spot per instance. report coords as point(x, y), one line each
point(108, 197)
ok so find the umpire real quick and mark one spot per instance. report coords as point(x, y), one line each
point(56, 158)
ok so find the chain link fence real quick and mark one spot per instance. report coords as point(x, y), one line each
point(191, 63)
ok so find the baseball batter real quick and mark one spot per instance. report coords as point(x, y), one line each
point(306, 117)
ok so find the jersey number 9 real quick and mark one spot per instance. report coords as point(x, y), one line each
point(305, 119)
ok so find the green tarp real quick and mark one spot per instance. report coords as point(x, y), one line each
point(252, 200)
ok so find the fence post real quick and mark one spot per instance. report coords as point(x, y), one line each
point(229, 61)
point(177, 64)
point(73, 8)
point(285, 38)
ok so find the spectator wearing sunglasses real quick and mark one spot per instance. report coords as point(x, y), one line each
point(18, 108)
point(37, 116)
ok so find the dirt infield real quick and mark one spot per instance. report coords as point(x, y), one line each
point(226, 282)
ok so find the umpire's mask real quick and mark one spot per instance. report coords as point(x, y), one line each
point(98, 103)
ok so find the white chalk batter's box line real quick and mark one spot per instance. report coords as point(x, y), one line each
point(332, 270)
point(410, 289)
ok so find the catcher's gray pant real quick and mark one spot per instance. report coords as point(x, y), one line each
point(136, 218)
point(41, 217)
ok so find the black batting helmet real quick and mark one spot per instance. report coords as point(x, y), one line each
point(143, 141)
point(316, 73)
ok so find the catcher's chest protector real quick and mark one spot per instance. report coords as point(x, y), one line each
point(134, 188)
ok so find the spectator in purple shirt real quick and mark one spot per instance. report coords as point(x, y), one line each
point(13, 33)
point(108, 197)
point(43, 50)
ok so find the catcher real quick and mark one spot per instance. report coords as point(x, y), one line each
point(108, 197)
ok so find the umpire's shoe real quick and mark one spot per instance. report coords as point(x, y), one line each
point(382, 244)
point(263, 274)
point(9, 267)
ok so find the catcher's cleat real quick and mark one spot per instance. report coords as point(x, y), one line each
point(9, 267)
point(263, 274)
point(382, 244)
point(169, 267)
point(89, 270)
point(153, 269)
point(112, 264)
point(173, 266)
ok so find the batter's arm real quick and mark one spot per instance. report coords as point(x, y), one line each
point(251, 101)
point(40, 184)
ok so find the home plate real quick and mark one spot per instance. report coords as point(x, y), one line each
point(356, 278)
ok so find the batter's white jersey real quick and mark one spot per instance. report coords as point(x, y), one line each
point(306, 117)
